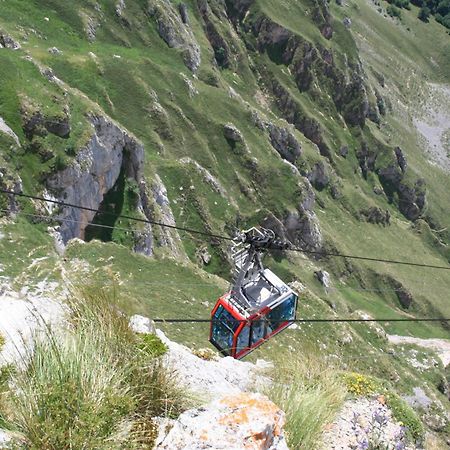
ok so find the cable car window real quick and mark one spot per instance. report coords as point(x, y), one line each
point(258, 331)
point(243, 340)
point(223, 329)
point(284, 311)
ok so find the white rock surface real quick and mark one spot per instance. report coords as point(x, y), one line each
point(7, 130)
point(224, 376)
point(141, 324)
point(5, 439)
point(233, 422)
point(361, 423)
point(440, 346)
point(21, 316)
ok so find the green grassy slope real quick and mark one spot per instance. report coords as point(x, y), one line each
point(128, 70)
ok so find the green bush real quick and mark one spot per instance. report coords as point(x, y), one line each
point(151, 345)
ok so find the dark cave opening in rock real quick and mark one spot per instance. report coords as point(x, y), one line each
point(108, 211)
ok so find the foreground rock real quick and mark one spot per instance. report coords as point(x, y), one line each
point(242, 421)
point(214, 377)
point(21, 317)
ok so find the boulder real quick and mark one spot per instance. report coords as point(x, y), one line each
point(6, 41)
point(324, 278)
point(54, 51)
point(236, 421)
point(211, 378)
point(141, 324)
point(377, 215)
point(343, 151)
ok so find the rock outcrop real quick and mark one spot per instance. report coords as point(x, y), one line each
point(6, 41)
point(318, 176)
point(175, 32)
point(94, 172)
point(284, 142)
point(241, 421)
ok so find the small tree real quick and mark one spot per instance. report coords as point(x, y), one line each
point(424, 14)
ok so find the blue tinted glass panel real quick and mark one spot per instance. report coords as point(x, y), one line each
point(243, 338)
point(284, 311)
point(224, 326)
point(258, 331)
point(222, 336)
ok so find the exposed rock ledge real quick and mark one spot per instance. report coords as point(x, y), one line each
point(440, 346)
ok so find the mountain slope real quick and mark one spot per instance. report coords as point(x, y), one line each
point(307, 117)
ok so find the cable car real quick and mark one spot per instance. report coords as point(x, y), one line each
point(260, 304)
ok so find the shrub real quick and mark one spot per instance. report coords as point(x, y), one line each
point(310, 393)
point(151, 345)
point(393, 11)
point(359, 384)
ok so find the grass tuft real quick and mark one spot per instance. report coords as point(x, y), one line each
point(90, 384)
point(310, 392)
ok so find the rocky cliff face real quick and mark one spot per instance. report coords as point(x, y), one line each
point(94, 172)
point(110, 153)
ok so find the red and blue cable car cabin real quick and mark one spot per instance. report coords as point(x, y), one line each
point(260, 306)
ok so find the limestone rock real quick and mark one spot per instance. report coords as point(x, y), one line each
point(318, 176)
point(4, 128)
point(377, 215)
point(141, 324)
point(204, 256)
point(232, 422)
point(302, 228)
point(22, 315)
point(324, 278)
point(232, 133)
point(401, 159)
point(176, 33)
point(361, 421)
point(6, 41)
point(120, 7)
point(207, 176)
point(284, 142)
point(347, 22)
point(192, 90)
point(157, 205)
point(54, 51)
point(343, 151)
point(183, 9)
point(5, 439)
point(211, 378)
point(94, 172)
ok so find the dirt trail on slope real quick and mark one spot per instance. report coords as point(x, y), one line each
point(440, 346)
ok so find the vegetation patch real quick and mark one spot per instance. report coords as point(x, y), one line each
point(84, 386)
point(301, 385)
